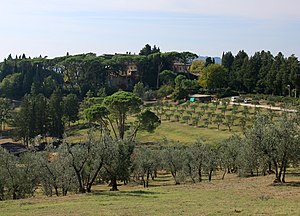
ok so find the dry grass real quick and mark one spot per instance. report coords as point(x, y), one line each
point(244, 196)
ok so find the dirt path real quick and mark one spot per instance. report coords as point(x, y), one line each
point(6, 141)
point(264, 106)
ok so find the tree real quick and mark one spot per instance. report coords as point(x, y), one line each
point(56, 127)
point(211, 160)
point(49, 85)
point(139, 90)
point(274, 144)
point(229, 151)
point(213, 77)
point(40, 115)
point(209, 61)
point(56, 174)
point(147, 50)
point(219, 120)
point(181, 87)
point(10, 86)
point(20, 174)
point(194, 160)
point(87, 160)
point(294, 68)
point(167, 77)
point(120, 105)
point(70, 106)
point(23, 121)
point(145, 163)
point(197, 66)
point(164, 91)
point(236, 79)
point(148, 121)
point(227, 60)
point(173, 157)
point(6, 107)
point(229, 121)
point(118, 161)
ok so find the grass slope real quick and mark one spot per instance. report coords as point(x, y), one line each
point(251, 196)
point(183, 133)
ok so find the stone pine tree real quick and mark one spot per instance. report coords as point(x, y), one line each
point(120, 105)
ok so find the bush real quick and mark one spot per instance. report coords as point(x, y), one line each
point(227, 93)
point(164, 91)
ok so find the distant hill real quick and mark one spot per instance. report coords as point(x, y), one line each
point(218, 60)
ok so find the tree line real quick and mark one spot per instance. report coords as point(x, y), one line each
point(268, 147)
point(79, 74)
point(262, 73)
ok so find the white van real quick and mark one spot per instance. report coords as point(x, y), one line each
point(235, 99)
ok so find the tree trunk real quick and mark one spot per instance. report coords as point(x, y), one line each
point(56, 191)
point(14, 195)
point(284, 171)
point(91, 182)
point(200, 174)
point(114, 185)
point(225, 171)
point(144, 182)
point(81, 187)
point(147, 179)
point(277, 179)
point(210, 174)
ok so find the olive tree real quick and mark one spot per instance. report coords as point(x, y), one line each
point(172, 160)
point(145, 164)
point(19, 175)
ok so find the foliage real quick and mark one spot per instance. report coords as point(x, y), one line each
point(120, 105)
point(6, 108)
point(70, 108)
point(19, 177)
point(213, 77)
point(148, 121)
point(139, 90)
point(197, 66)
point(56, 127)
point(164, 91)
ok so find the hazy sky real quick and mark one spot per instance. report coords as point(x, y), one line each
point(206, 27)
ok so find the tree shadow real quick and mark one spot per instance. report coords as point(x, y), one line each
point(287, 184)
point(135, 193)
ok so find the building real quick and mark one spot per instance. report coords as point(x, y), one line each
point(200, 98)
point(179, 67)
point(124, 79)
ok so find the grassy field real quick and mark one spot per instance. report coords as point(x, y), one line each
point(232, 196)
point(184, 133)
point(247, 196)
point(189, 130)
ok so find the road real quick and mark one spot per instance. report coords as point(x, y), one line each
point(264, 106)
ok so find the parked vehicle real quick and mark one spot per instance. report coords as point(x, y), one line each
point(247, 101)
point(235, 99)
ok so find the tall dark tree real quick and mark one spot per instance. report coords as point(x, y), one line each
point(238, 64)
point(294, 76)
point(70, 108)
point(55, 111)
point(24, 121)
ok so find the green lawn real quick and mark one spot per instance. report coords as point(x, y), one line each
point(251, 196)
point(184, 133)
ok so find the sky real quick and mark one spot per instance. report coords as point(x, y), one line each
point(206, 27)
